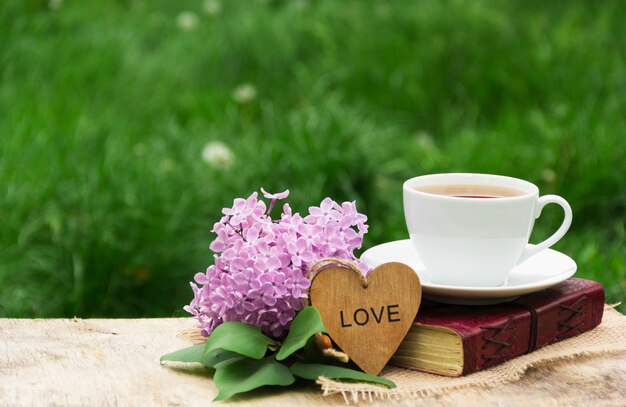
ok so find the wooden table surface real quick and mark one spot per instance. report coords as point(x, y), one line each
point(104, 362)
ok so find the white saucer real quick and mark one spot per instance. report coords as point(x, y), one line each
point(543, 270)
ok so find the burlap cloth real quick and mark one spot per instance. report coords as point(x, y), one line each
point(608, 337)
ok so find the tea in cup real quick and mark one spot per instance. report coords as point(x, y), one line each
point(472, 229)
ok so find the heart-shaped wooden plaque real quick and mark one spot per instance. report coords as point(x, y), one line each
point(367, 318)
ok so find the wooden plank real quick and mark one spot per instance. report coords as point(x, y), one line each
point(61, 362)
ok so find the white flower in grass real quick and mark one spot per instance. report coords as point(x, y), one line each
point(187, 20)
point(244, 93)
point(548, 175)
point(425, 141)
point(55, 4)
point(212, 7)
point(218, 155)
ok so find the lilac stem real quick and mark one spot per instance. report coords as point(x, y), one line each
point(238, 232)
point(271, 207)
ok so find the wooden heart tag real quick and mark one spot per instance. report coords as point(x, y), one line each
point(367, 317)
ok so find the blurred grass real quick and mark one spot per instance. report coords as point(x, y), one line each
point(106, 204)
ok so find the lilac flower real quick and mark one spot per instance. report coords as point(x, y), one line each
point(244, 279)
point(300, 252)
point(279, 195)
point(244, 307)
point(224, 299)
point(352, 217)
point(242, 208)
point(274, 197)
point(297, 285)
point(309, 232)
point(325, 213)
point(259, 271)
point(263, 296)
point(222, 240)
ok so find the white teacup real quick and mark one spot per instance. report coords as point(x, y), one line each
point(472, 229)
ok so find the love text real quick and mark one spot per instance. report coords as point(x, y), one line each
point(362, 316)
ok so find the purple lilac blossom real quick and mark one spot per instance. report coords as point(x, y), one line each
point(259, 271)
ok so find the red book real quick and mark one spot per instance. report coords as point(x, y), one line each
point(454, 340)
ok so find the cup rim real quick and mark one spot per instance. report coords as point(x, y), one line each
point(527, 187)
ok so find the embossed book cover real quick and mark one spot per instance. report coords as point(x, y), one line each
point(455, 340)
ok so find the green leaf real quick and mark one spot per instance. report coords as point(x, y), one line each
point(189, 355)
point(312, 371)
point(313, 355)
point(216, 356)
point(307, 323)
point(244, 374)
point(244, 339)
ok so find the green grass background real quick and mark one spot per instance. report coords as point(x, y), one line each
point(106, 204)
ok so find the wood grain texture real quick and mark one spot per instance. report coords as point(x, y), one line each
point(109, 362)
point(367, 318)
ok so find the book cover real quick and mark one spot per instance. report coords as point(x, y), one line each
point(455, 340)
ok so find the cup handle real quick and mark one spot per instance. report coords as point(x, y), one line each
point(567, 221)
